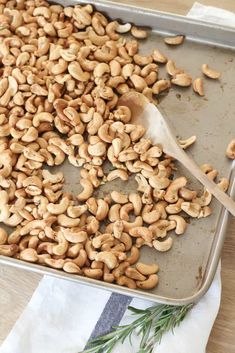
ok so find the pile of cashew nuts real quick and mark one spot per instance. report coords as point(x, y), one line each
point(62, 73)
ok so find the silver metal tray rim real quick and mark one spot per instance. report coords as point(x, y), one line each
point(224, 216)
point(226, 31)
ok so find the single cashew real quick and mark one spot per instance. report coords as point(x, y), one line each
point(124, 211)
point(3, 236)
point(8, 250)
point(142, 60)
point(123, 28)
point(186, 194)
point(126, 281)
point(149, 283)
point(74, 250)
point(171, 195)
point(205, 212)
point(142, 182)
point(33, 185)
point(29, 255)
point(180, 224)
point(62, 246)
point(159, 183)
point(139, 33)
point(174, 208)
point(90, 250)
point(97, 39)
point(158, 57)
point(114, 213)
point(97, 264)
point(101, 69)
point(120, 269)
point(108, 277)
point(97, 150)
point(151, 217)
point(134, 256)
point(183, 80)
point(87, 190)
point(51, 195)
point(76, 72)
point(191, 208)
point(92, 225)
point(99, 22)
point(138, 82)
point(142, 232)
point(102, 239)
point(57, 264)
point(163, 246)
point(176, 40)
point(205, 199)
point(111, 29)
point(188, 142)
point(4, 207)
point(171, 69)
point(126, 240)
point(107, 53)
point(33, 155)
point(76, 211)
point(160, 228)
point(59, 208)
point(108, 258)
point(102, 210)
point(210, 72)
point(223, 184)
point(135, 199)
point(118, 197)
point(81, 259)
point(117, 173)
point(138, 222)
point(71, 267)
point(115, 68)
point(66, 221)
point(230, 150)
point(42, 117)
point(133, 273)
point(93, 273)
point(198, 86)
point(146, 269)
point(117, 228)
point(52, 178)
point(106, 134)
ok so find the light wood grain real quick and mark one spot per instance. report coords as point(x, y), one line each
point(16, 287)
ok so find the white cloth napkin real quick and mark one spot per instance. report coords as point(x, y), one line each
point(61, 316)
point(212, 14)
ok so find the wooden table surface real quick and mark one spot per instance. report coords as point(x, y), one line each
point(16, 287)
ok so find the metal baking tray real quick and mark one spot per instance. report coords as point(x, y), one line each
point(187, 270)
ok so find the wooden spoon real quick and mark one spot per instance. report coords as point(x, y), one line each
point(148, 115)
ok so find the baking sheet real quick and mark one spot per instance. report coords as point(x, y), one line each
point(188, 269)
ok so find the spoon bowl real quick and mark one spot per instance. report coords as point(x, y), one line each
point(148, 115)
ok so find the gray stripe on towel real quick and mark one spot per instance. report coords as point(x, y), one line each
point(111, 315)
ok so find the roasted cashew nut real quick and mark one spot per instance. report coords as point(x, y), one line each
point(87, 190)
point(230, 151)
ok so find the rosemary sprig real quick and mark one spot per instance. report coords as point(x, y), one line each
point(150, 325)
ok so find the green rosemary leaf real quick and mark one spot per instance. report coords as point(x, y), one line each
point(145, 334)
point(136, 310)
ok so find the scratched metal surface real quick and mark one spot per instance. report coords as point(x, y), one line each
point(188, 269)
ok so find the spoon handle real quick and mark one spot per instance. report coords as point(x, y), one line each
point(193, 168)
